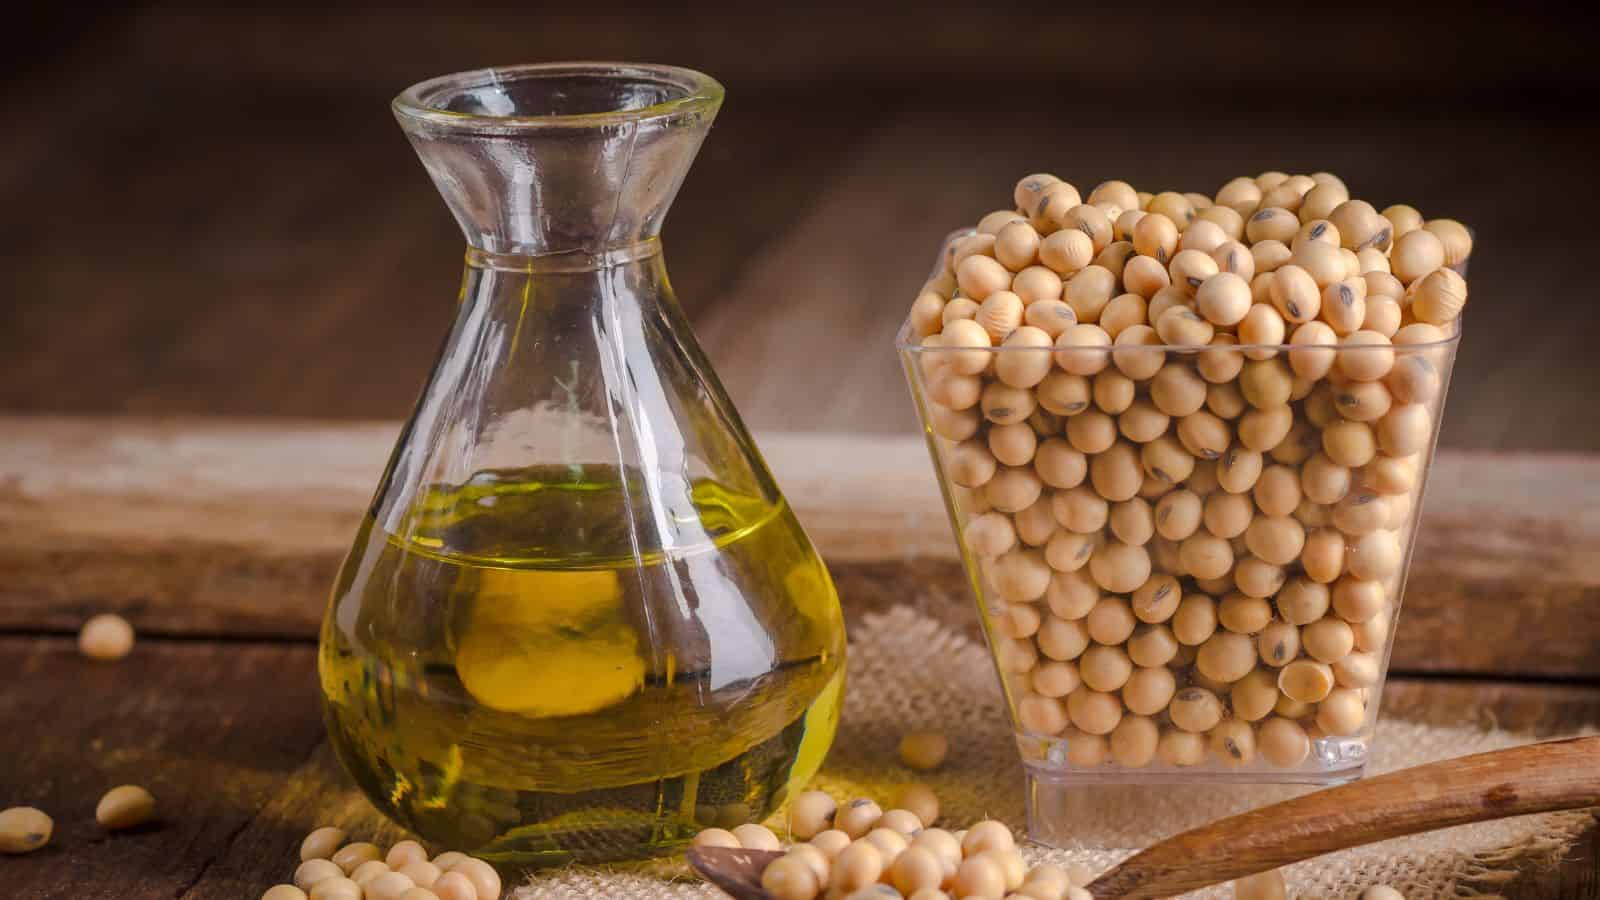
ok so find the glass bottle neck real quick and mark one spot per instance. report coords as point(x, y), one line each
point(559, 300)
point(564, 262)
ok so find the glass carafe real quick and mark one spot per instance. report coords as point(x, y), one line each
point(579, 622)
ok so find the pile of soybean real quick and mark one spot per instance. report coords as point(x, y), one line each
point(332, 869)
point(1185, 437)
point(856, 851)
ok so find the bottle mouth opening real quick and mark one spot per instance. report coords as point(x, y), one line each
point(557, 95)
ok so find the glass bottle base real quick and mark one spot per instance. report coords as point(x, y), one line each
point(1107, 806)
point(535, 828)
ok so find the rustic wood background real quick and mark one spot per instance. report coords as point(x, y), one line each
point(212, 213)
point(215, 213)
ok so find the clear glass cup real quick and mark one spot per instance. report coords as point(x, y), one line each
point(1177, 579)
point(580, 622)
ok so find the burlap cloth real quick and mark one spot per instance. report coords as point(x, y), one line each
point(908, 671)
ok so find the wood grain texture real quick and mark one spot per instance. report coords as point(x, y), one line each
point(229, 738)
point(321, 283)
point(885, 43)
point(1535, 778)
point(236, 527)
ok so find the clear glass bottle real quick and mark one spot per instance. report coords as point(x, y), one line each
point(579, 622)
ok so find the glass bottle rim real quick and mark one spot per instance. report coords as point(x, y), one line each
point(692, 92)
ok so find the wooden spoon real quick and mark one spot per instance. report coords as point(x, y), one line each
point(1534, 778)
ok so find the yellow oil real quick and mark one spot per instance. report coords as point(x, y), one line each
point(504, 675)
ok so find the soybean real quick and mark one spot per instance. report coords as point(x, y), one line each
point(1454, 237)
point(1195, 710)
point(1306, 680)
point(920, 751)
point(127, 806)
point(1283, 742)
point(811, 813)
point(1234, 742)
point(105, 637)
point(24, 829)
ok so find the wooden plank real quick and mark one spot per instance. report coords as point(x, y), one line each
point(229, 738)
point(1062, 46)
point(320, 284)
point(236, 527)
point(321, 280)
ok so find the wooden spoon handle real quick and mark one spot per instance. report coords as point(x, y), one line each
point(1530, 779)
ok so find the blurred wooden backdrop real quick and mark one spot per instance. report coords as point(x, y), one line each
point(213, 212)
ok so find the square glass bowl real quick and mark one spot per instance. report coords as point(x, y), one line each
point(1188, 560)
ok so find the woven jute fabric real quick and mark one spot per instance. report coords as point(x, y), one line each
point(908, 671)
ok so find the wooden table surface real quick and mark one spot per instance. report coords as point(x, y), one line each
point(218, 540)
